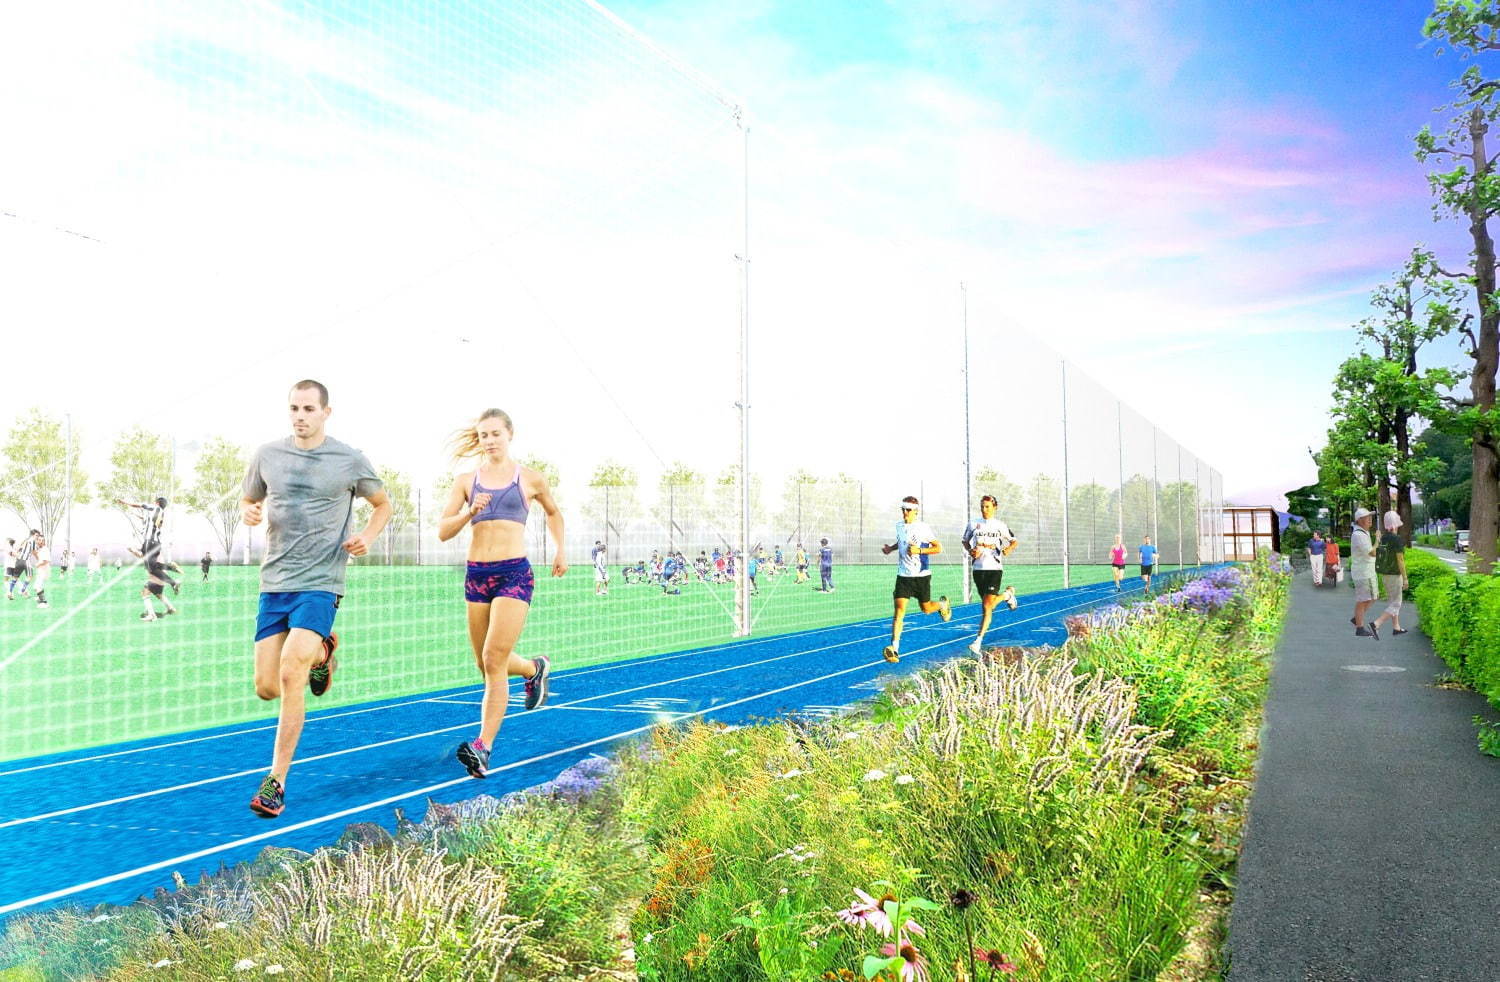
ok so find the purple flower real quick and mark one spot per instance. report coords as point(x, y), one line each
point(868, 912)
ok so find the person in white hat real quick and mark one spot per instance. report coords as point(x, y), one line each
point(1390, 563)
point(1362, 566)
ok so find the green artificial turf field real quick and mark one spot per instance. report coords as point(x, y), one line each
point(89, 671)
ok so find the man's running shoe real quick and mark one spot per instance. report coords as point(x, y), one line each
point(945, 609)
point(146, 616)
point(891, 655)
point(270, 799)
point(538, 685)
point(43, 604)
point(1010, 597)
point(975, 650)
point(475, 757)
point(176, 588)
point(320, 677)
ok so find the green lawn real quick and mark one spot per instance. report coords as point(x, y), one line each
point(89, 671)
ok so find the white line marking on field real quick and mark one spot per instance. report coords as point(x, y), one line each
point(416, 736)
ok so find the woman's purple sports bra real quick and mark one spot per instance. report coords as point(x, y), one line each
point(506, 504)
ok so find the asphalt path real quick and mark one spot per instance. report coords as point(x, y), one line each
point(1372, 849)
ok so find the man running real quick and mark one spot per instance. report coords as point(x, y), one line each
point(914, 542)
point(304, 488)
point(988, 542)
point(1148, 560)
point(205, 564)
point(801, 561)
point(153, 517)
point(825, 566)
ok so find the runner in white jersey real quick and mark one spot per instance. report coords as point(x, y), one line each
point(12, 570)
point(601, 573)
point(988, 542)
point(915, 541)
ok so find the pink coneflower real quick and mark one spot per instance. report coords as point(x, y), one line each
point(868, 912)
point(913, 963)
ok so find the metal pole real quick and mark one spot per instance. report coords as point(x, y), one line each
point(742, 578)
point(1120, 449)
point(1067, 571)
point(419, 526)
point(1179, 509)
point(859, 556)
point(1155, 490)
point(968, 458)
point(68, 504)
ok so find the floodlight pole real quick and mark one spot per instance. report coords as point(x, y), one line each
point(968, 481)
point(1120, 451)
point(1155, 490)
point(68, 465)
point(742, 572)
point(1067, 492)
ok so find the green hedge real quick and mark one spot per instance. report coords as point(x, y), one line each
point(1443, 540)
point(1462, 616)
point(1423, 567)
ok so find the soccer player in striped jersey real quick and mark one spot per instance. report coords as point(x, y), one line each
point(154, 517)
point(24, 558)
point(988, 541)
point(915, 541)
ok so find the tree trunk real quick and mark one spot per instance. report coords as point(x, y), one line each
point(1403, 486)
point(1484, 513)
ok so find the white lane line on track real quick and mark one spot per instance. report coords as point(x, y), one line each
point(343, 813)
point(394, 740)
point(575, 673)
point(448, 729)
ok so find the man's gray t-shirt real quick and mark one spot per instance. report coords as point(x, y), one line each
point(309, 496)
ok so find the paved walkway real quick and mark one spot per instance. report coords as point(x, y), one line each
point(1373, 845)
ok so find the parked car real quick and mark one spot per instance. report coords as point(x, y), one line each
point(1461, 541)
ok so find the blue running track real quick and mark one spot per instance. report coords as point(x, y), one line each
point(113, 822)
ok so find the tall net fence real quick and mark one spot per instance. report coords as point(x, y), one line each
point(524, 205)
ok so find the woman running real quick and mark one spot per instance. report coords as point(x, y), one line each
point(494, 498)
point(1117, 560)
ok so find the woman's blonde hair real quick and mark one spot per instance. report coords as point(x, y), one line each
point(465, 442)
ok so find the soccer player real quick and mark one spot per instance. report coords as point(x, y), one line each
point(669, 568)
point(494, 500)
point(1148, 560)
point(801, 560)
point(989, 541)
point(153, 518)
point(25, 554)
point(41, 560)
point(914, 541)
point(780, 559)
point(12, 568)
point(825, 566)
point(1117, 560)
point(205, 564)
point(601, 573)
point(94, 561)
point(303, 487)
point(754, 570)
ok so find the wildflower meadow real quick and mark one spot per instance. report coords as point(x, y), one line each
point(1052, 814)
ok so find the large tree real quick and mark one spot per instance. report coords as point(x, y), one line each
point(1417, 307)
point(34, 484)
point(140, 469)
point(613, 502)
point(218, 477)
point(681, 502)
point(1470, 191)
point(403, 507)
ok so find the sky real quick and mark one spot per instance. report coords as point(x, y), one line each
point(437, 208)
